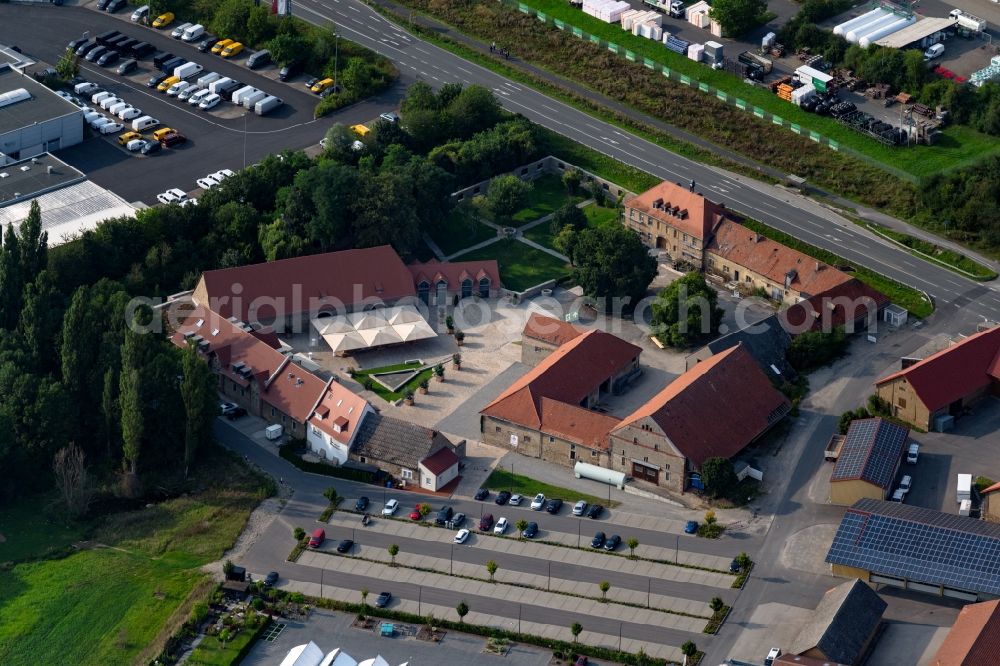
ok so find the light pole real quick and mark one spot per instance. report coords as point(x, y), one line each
point(677, 548)
point(420, 589)
point(649, 587)
point(579, 531)
point(548, 587)
point(619, 636)
point(245, 114)
point(321, 571)
point(519, 618)
point(451, 568)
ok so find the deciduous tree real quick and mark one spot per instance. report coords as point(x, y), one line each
point(612, 263)
point(72, 479)
point(686, 311)
point(738, 16)
point(198, 392)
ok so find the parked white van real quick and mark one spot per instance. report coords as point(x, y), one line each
point(187, 70)
point(140, 14)
point(85, 88)
point(193, 32)
point(934, 51)
point(100, 96)
point(143, 123)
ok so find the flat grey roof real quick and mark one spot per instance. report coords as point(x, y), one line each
point(29, 177)
point(916, 31)
point(43, 105)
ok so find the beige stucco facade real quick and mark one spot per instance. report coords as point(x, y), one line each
point(905, 404)
point(536, 444)
point(749, 280)
point(642, 451)
point(662, 235)
point(991, 507)
point(847, 492)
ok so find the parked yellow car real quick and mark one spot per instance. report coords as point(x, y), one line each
point(163, 131)
point(167, 82)
point(128, 136)
point(231, 50)
point(322, 85)
point(163, 20)
point(221, 44)
point(360, 130)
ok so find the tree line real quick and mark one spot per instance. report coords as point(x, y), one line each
point(82, 395)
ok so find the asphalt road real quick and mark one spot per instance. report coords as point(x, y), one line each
point(413, 56)
point(42, 32)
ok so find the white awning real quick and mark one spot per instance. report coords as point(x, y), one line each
point(373, 328)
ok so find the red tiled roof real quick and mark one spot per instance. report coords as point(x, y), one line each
point(955, 372)
point(576, 424)
point(992, 489)
point(696, 215)
point(440, 461)
point(734, 242)
point(347, 277)
point(549, 329)
point(284, 384)
point(974, 639)
point(453, 272)
point(339, 407)
point(830, 308)
point(716, 408)
point(568, 375)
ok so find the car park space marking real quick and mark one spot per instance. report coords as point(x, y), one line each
point(354, 8)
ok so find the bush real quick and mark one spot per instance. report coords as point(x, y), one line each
point(814, 349)
point(299, 533)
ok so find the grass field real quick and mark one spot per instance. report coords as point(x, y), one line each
point(391, 396)
point(117, 604)
point(547, 195)
point(948, 258)
point(33, 529)
point(958, 146)
point(597, 216)
point(521, 266)
point(213, 652)
point(461, 230)
point(502, 479)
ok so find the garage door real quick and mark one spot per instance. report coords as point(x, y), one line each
point(960, 594)
point(924, 587)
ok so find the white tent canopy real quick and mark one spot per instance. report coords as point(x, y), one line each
point(373, 328)
point(307, 654)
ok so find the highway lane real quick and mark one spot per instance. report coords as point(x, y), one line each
point(472, 554)
point(795, 215)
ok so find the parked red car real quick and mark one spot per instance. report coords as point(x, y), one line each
point(486, 523)
point(317, 538)
point(415, 514)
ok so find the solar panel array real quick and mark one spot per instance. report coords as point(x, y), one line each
point(920, 545)
point(871, 451)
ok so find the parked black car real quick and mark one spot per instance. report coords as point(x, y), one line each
point(612, 543)
point(207, 43)
point(288, 71)
point(502, 497)
point(259, 59)
point(383, 600)
point(456, 521)
point(344, 546)
point(482, 494)
point(531, 531)
point(595, 511)
point(598, 540)
point(734, 566)
point(155, 147)
point(109, 58)
point(82, 49)
point(156, 80)
point(76, 43)
point(128, 66)
point(444, 514)
point(271, 578)
point(361, 504)
point(554, 506)
point(115, 5)
point(95, 53)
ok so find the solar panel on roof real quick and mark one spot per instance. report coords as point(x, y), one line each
point(871, 451)
point(919, 545)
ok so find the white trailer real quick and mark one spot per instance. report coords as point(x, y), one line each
point(964, 491)
point(240, 93)
point(266, 105)
point(215, 85)
point(251, 100)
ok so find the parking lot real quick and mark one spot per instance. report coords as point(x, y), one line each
point(216, 139)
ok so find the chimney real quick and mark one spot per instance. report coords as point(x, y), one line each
point(48, 169)
point(692, 185)
point(819, 267)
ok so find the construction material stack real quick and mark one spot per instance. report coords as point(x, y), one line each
point(675, 44)
point(696, 52)
point(989, 73)
point(609, 11)
point(714, 54)
point(785, 91)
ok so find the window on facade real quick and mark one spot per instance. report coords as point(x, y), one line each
point(406, 474)
point(272, 411)
point(901, 402)
point(315, 430)
point(645, 459)
point(748, 279)
point(551, 438)
point(635, 440)
point(466, 288)
point(484, 287)
point(623, 460)
point(593, 454)
point(656, 447)
point(572, 447)
point(527, 438)
point(498, 428)
point(363, 459)
point(572, 455)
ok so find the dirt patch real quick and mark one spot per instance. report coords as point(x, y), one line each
point(368, 624)
point(425, 634)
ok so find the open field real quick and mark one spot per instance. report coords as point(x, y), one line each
point(547, 196)
point(521, 266)
point(597, 216)
point(32, 529)
point(116, 603)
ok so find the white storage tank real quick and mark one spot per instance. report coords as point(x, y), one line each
point(584, 470)
point(857, 33)
point(857, 21)
point(884, 31)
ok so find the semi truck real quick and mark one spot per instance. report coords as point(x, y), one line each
point(965, 20)
point(756, 61)
point(674, 8)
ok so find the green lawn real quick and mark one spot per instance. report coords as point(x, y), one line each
point(547, 195)
point(502, 479)
point(391, 396)
point(460, 230)
point(32, 528)
point(597, 216)
point(117, 605)
point(213, 652)
point(521, 266)
point(949, 258)
point(958, 146)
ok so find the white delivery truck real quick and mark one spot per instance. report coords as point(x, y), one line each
point(251, 100)
point(964, 491)
point(187, 70)
point(241, 93)
point(219, 83)
point(273, 432)
point(267, 105)
point(205, 79)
